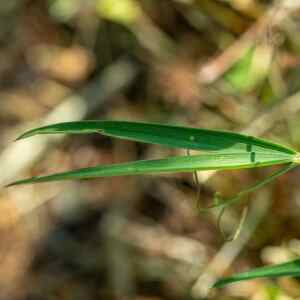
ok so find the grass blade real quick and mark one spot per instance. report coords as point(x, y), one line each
point(291, 268)
point(171, 136)
point(212, 161)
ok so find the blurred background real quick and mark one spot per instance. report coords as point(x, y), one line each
point(223, 64)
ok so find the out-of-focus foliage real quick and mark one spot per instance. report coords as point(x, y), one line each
point(64, 10)
point(124, 12)
point(251, 70)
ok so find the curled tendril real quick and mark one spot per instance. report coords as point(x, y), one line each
point(236, 233)
point(222, 203)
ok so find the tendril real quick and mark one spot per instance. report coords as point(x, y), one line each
point(236, 233)
point(223, 203)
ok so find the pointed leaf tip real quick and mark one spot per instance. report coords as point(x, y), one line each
point(22, 181)
point(14, 183)
point(25, 135)
point(21, 137)
point(9, 185)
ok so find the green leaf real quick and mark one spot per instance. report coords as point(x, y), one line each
point(251, 70)
point(171, 136)
point(291, 268)
point(213, 161)
point(238, 74)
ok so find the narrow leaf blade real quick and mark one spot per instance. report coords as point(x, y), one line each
point(291, 268)
point(212, 161)
point(166, 135)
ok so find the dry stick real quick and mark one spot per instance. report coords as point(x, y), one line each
point(157, 240)
point(213, 70)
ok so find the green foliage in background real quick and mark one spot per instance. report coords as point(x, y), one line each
point(250, 70)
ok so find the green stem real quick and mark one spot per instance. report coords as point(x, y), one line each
point(252, 188)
